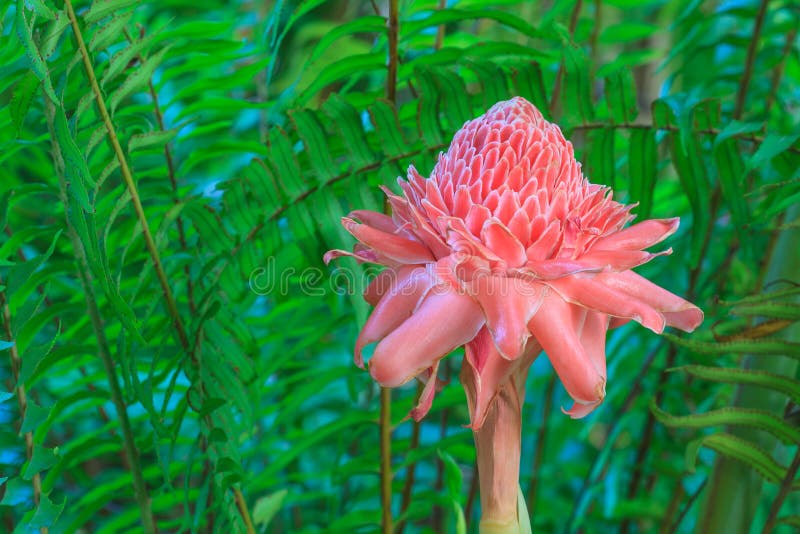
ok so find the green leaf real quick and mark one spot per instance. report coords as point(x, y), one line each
point(110, 32)
point(35, 415)
point(642, 159)
point(577, 86)
point(267, 507)
point(760, 419)
point(529, 81)
point(52, 36)
point(454, 92)
point(626, 32)
point(137, 79)
point(147, 140)
point(739, 449)
point(346, 119)
point(743, 346)
point(41, 460)
point(21, 99)
point(791, 520)
point(121, 60)
point(782, 384)
point(601, 161)
point(620, 92)
point(451, 15)
point(452, 475)
point(103, 8)
point(773, 145)
point(41, 9)
point(365, 24)
point(493, 85)
point(775, 310)
point(315, 140)
point(18, 494)
point(691, 171)
point(428, 108)
point(384, 118)
point(352, 67)
point(736, 128)
point(33, 356)
point(77, 172)
point(731, 177)
point(37, 64)
point(20, 273)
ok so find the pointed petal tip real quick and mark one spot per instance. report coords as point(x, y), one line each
point(581, 408)
point(358, 359)
point(332, 255)
point(579, 411)
point(687, 319)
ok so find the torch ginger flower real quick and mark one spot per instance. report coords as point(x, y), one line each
point(507, 250)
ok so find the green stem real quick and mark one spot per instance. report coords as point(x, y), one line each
point(405, 501)
point(172, 307)
point(541, 440)
point(499, 446)
point(103, 347)
point(783, 492)
point(734, 488)
point(741, 95)
point(127, 176)
point(386, 460)
point(573, 23)
point(392, 30)
point(22, 397)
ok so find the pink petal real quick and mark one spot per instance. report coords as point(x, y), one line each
point(498, 238)
point(428, 235)
point(592, 293)
point(678, 312)
point(639, 236)
point(554, 327)
point(619, 260)
point(593, 339)
point(394, 308)
point(442, 323)
point(485, 371)
point(379, 221)
point(379, 286)
point(546, 243)
point(508, 304)
point(393, 246)
point(361, 254)
point(552, 269)
point(462, 241)
point(426, 396)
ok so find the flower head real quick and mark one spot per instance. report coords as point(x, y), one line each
point(507, 250)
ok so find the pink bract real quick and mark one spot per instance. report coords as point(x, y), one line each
point(507, 250)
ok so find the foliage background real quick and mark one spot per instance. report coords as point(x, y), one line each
point(176, 357)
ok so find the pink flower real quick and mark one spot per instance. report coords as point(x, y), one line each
point(507, 250)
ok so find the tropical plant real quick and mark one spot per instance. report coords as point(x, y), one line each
point(177, 358)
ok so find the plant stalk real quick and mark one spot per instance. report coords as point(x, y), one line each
point(734, 488)
point(172, 306)
point(499, 446)
point(22, 398)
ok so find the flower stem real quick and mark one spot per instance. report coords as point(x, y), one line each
point(386, 460)
point(499, 444)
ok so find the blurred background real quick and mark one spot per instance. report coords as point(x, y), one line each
point(175, 356)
